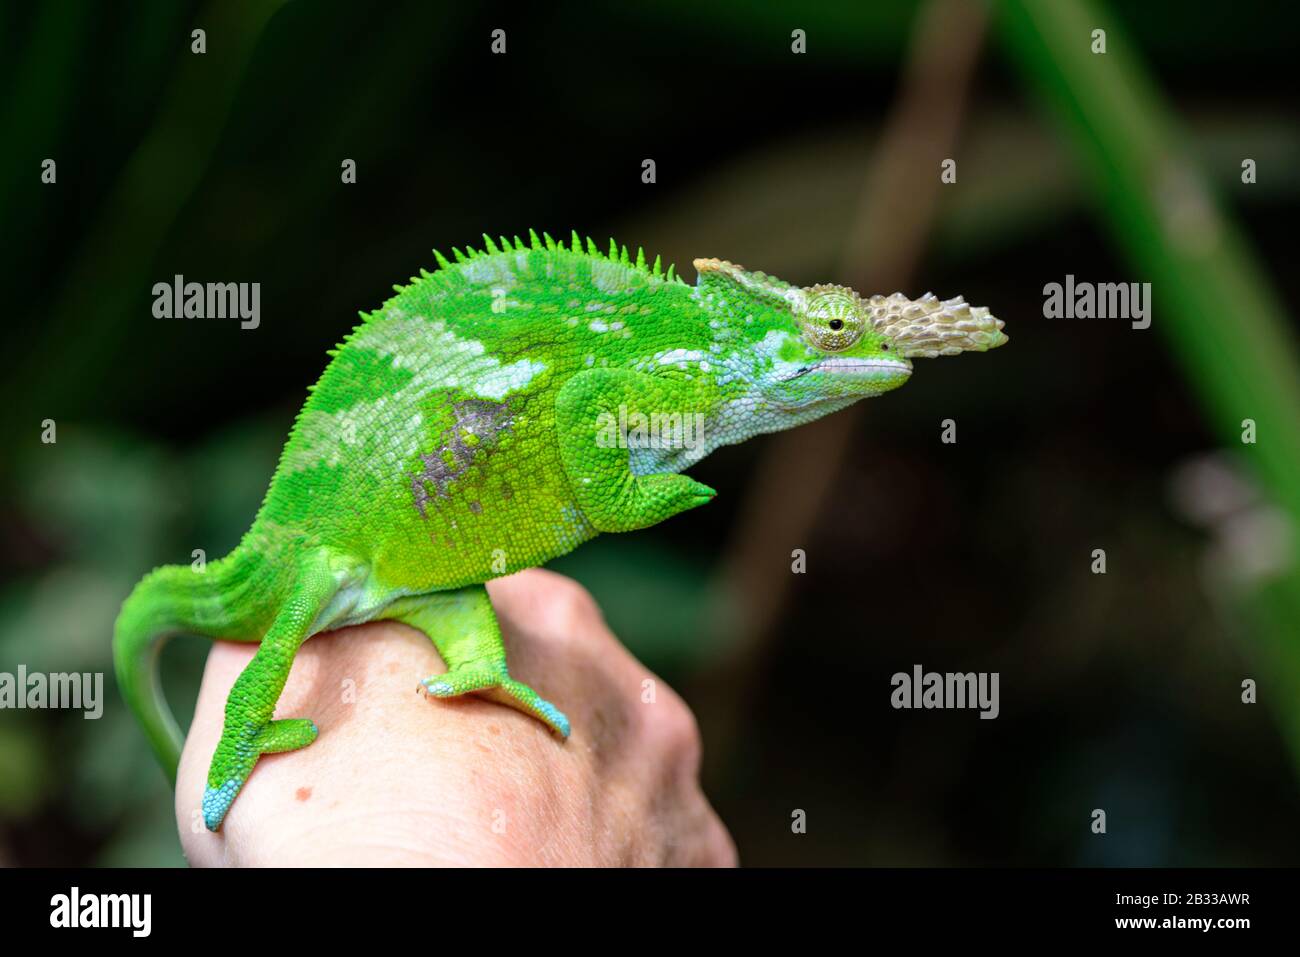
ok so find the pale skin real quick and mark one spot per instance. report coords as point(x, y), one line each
point(397, 778)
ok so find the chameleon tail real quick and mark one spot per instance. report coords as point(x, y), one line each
point(172, 600)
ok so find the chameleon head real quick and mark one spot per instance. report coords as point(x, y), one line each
point(825, 345)
point(863, 347)
point(838, 354)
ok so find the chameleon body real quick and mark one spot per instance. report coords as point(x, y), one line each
point(493, 415)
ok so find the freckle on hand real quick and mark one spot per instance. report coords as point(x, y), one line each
point(302, 794)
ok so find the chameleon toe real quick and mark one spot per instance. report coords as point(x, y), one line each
point(554, 717)
point(216, 802)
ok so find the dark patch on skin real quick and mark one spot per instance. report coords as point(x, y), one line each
point(476, 507)
point(302, 794)
point(481, 418)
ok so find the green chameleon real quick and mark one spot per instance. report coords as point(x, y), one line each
point(489, 417)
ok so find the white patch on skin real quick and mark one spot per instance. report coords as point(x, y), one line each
point(597, 325)
point(361, 599)
point(438, 358)
point(754, 361)
point(425, 347)
point(771, 343)
point(498, 382)
point(490, 271)
point(573, 528)
point(613, 277)
point(680, 356)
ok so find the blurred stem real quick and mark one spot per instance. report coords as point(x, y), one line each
point(1213, 302)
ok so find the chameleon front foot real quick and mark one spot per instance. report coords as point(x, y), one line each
point(233, 762)
point(501, 688)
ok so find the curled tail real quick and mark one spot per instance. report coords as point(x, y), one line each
point(172, 600)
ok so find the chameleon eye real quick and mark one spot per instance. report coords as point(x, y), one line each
point(884, 346)
point(831, 320)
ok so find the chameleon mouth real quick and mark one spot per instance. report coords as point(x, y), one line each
point(875, 370)
point(863, 368)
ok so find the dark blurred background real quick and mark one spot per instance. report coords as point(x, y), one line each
point(1119, 691)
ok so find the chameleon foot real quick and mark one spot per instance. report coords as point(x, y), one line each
point(232, 765)
point(464, 628)
point(501, 688)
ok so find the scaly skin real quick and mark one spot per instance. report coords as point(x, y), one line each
point(487, 419)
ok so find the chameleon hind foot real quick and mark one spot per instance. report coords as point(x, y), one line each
point(287, 734)
point(463, 627)
point(498, 686)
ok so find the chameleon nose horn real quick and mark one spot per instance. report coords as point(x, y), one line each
point(928, 327)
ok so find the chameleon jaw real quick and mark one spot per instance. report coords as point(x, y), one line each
point(870, 368)
point(879, 369)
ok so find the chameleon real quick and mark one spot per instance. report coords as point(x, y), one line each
point(490, 416)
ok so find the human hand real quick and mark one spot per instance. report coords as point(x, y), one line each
point(397, 778)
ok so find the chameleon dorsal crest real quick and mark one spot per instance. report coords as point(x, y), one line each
point(730, 282)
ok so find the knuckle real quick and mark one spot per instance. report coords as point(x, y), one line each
point(570, 608)
point(676, 734)
point(721, 848)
